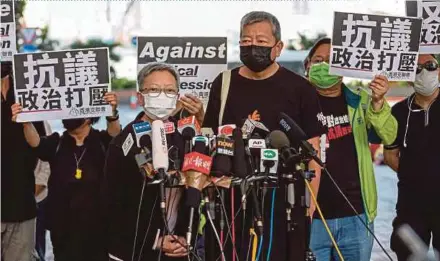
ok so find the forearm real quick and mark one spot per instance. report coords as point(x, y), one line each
point(31, 135)
point(392, 161)
point(113, 128)
point(39, 189)
point(313, 165)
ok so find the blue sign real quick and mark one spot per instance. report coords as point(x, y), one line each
point(28, 48)
point(141, 127)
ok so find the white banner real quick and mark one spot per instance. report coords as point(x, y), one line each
point(8, 34)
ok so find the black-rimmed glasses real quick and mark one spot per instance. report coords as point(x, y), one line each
point(429, 66)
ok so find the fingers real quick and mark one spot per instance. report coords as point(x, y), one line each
point(111, 98)
point(15, 110)
point(194, 98)
point(191, 103)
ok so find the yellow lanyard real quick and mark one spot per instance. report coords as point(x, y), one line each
point(78, 173)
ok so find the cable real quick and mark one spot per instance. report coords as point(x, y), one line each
point(324, 221)
point(137, 220)
point(271, 224)
point(216, 235)
point(233, 223)
point(260, 248)
point(148, 229)
point(357, 214)
point(166, 228)
point(254, 243)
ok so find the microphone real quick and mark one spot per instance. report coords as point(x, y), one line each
point(255, 144)
point(160, 158)
point(140, 129)
point(197, 166)
point(226, 129)
point(222, 162)
point(288, 155)
point(188, 128)
point(239, 160)
point(144, 156)
point(296, 135)
point(251, 126)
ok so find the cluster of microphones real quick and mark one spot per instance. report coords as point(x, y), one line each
point(233, 156)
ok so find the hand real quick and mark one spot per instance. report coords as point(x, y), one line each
point(172, 248)
point(194, 105)
point(112, 99)
point(380, 87)
point(16, 109)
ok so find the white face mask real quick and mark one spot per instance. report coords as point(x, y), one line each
point(426, 82)
point(160, 107)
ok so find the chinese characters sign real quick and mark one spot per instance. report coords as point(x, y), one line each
point(429, 10)
point(198, 60)
point(7, 37)
point(197, 162)
point(62, 85)
point(366, 45)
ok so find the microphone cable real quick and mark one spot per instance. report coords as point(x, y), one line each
point(233, 223)
point(272, 208)
point(148, 229)
point(323, 220)
point(260, 248)
point(137, 219)
point(216, 236)
point(357, 214)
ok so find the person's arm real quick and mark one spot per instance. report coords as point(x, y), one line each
point(194, 106)
point(213, 109)
point(42, 173)
point(379, 116)
point(313, 165)
point(391, 158)
point(113, 124)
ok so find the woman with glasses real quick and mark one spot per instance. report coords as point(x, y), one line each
point(415, 155)
point(135, 221)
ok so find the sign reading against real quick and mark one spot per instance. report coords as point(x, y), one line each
point(62, 85)
point(366, 45)
point(7, 38)
point(429, 10)
point(198, 60)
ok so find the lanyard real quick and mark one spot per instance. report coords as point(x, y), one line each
point(78, 173)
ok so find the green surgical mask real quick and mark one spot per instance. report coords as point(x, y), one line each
point(320, 77)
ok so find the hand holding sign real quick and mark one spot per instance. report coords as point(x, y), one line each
point(379, 87)
point(194, 106)
point(112, 99)
point(16, 109)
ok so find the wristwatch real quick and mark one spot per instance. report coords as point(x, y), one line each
point(115, 116)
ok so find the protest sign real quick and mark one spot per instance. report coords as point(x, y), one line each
point(367, 45)
point(197, 59)
point(63, 84)
point(429, 10)
point(8, 35)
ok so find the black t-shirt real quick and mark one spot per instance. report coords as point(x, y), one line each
point(18, 163)
point(419, 172)
point(341, 161)
point(263, 100)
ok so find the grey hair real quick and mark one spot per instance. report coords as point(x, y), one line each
point(260, 16)
point(155, 67)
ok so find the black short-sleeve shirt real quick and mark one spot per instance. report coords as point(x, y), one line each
point(263, 100)
point(418, 140)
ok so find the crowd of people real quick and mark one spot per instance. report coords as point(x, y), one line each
point(96, 195)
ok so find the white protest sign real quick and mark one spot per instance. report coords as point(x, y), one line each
point(197, 59)
point(429, 10)
point(63, 84)
point(8, 35)
point(366, 45)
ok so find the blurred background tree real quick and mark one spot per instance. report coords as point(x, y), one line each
point(47, 44)
point(304, 42)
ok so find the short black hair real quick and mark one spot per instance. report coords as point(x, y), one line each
point(325, 40)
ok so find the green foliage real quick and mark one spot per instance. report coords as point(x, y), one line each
point(47, 44)
point(19, 13)
point(123, 84)
point(305, 42)
point(356, 83)
point(96, 42)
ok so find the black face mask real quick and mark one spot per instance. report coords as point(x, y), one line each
point(71, 124)
point(256, 58)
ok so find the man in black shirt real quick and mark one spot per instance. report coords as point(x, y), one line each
point(352, 119)
point(415, 155)
point(261, 90)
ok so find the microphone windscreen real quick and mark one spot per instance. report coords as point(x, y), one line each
point(239, 160)
point(159, 146)
point(188, 133)
point(221, 165)
point(277, 139)
point(200, 147)
point(145, 142)
point(290, 126)
point(193, 197)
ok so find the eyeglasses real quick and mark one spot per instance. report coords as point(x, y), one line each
point(155, 91)
point(429, 66)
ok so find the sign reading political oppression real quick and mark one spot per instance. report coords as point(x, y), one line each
point(429, 10)
point(366, 45)
point(63, 84)
point(7, 38)
point(197, 59)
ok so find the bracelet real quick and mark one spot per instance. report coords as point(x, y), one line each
point(113, 118)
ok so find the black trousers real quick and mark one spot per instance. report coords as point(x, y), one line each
point(427, 227)
point(78, 246)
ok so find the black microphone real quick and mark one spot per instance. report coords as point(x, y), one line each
point(239, 160)
point(188, 134)
point(297, 136)
point(144, 156)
